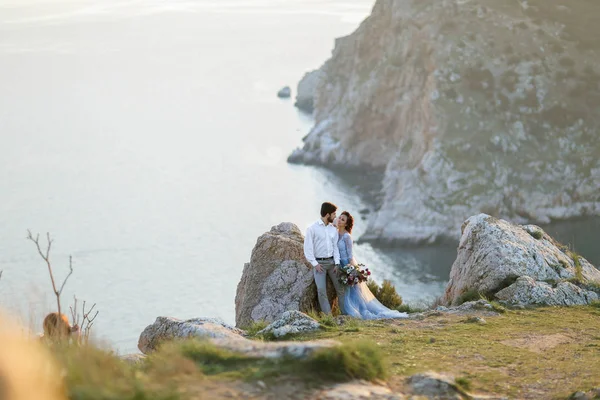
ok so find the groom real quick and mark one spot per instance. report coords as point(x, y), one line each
point(321, 250)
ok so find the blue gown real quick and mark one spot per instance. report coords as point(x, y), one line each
point(357, 300)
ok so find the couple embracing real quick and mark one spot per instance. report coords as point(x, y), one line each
point(328, 247)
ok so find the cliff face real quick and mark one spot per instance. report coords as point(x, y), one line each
point(474, 106)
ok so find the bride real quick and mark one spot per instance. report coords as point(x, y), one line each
point(357, 300)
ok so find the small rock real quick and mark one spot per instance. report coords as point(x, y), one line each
point(578, 396)
point(431, 340)
point(133, 359)
point(284, 93)
point(291, 322)
point(359, 390)
point(535, 231)
point(261, 384)
point(434, 385)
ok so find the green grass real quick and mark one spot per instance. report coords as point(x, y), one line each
point(255, 327)
point(578, 269)
point(358, 360)
point(499, 308)
point(469, 295)
point(463, 383)
point(92, 373)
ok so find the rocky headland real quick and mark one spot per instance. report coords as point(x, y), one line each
point(466, 107)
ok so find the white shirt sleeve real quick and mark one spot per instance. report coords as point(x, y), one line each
point(309, 251)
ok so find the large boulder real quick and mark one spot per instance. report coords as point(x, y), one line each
point(493, 254)
point(224, 336)
point(168, 328)
point(277, 279)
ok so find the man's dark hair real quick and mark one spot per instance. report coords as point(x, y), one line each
point(328, 208)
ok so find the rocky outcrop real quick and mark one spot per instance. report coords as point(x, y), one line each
point(168, 328)
point(290, 323)
point(277, 279)
point(519, 265)
point(463, 105)
point(306, 91)
point(224, 336)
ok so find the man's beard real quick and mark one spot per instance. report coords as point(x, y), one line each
point(330, 219)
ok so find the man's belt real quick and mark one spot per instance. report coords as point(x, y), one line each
point(324, 259)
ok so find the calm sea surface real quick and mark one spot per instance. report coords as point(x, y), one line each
point(147, 138)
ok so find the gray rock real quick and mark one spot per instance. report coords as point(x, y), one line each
point(168, 328)
point(493, 254)
point(527, 291)
point(224, 336)
point(291, 322)
point(358, 390)
point(284, 93)
point(133, 359)
point(432, 385)
point(277, 279)
point(435, 386)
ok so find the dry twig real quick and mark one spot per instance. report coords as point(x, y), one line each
point(46, 257)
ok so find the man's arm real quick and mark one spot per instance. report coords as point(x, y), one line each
point(309, 251)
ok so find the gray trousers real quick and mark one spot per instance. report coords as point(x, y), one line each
point(321, 282)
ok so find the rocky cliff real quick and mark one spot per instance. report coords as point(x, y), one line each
point(472, 106)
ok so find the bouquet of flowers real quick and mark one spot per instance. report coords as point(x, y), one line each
point(351, 275)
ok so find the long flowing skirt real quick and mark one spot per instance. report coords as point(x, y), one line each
point(359, 302)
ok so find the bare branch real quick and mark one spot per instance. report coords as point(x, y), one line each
point(67, 277)
point(46, 258)
point(73, 309)
point(1, 274)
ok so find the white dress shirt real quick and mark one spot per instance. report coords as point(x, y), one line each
point(321, 242)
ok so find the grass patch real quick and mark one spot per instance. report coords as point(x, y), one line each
point(410, 309)
point(578, 269)
point(595, 304)
point(327, 321)
point(463, 383)
point(469, 295)
point(92, 373)
point(256, 327)
point(361, 360)
point(386, 293)
point(499, 308)
point(358, 360)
